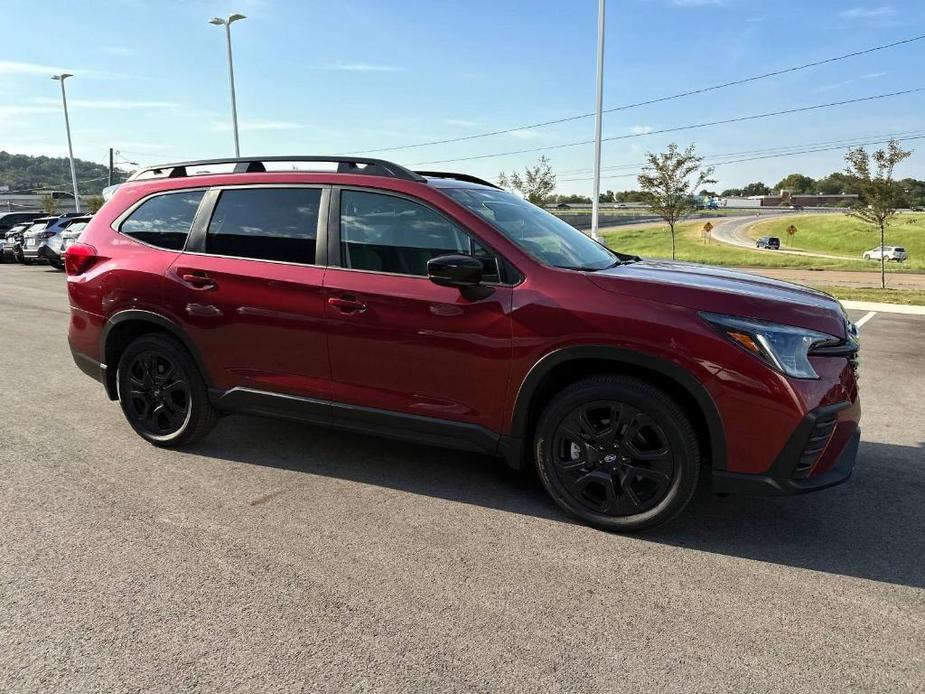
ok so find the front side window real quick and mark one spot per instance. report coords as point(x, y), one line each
point(385, 233)
point(266, 224)
point(544, 236)
point(164, 220)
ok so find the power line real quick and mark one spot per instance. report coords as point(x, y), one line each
point(782, 150)
point(811, 149)
point(679, 128)
point(657, 100)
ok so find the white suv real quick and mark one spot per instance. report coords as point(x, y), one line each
point(897, 253)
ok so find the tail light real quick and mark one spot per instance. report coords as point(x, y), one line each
point(78, 258)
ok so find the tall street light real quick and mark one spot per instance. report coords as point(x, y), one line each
point(218, 21)
point(596, 197)
point(67, 126)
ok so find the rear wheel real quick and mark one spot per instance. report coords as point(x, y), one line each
point(618, 453)
point(56, 264)
point(867, 256)
point(162, 393)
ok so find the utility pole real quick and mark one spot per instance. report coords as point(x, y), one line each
point(67, 126)
point(110, 167)
point(596, 197)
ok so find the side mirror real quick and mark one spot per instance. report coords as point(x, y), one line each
point(461, 271)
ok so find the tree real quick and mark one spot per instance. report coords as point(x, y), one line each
point(797, 183)
point(669, 179)
point(757, 188)
point(94, 203)
point(837, 183)
point(49, 203)
point(875, 179)
point(535, 185)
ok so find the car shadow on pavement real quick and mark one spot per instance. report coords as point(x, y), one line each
point(873, 527)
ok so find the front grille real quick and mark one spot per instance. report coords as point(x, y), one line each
point(818, 440)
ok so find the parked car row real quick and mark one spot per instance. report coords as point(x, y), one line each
point(42, 239)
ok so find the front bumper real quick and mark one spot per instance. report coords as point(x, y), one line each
point(791, 474)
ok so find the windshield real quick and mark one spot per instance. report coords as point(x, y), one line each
point(544, 236)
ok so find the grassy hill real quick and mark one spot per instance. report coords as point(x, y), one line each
point(842, 235)
point(24, 172)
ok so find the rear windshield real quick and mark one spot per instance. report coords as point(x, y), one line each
point(899, 249)
point(37, 227)
point(773, 239)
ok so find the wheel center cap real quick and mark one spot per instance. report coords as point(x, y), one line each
point(610, 458)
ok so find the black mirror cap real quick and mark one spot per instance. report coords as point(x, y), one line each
point(456, 270)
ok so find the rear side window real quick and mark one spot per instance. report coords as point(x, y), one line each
point(266, 224)
point(385, 233)
point(165, 220)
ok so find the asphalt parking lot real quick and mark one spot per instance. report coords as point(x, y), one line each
point(278, 557)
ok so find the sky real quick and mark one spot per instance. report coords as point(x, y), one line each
point(151, 80)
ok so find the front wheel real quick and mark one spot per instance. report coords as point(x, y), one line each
point(162, 394)
point(867, 256)
point(618, 453)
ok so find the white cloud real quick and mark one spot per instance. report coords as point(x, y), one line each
point(642, 129)
point(363, 67)
point(106, 104)
point(460, 123)
point(257, 125)
point(867, 12)
point(13, 67)
point(524, 134)
point(872, 75)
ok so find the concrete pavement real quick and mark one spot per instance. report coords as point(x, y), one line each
point(276, 557)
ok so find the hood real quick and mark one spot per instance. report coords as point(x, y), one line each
point(732, 292)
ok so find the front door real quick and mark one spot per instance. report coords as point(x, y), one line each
point(400, 343)
point(248, 291)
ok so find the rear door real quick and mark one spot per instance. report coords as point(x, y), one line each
point(398, 342)
point(247, 289)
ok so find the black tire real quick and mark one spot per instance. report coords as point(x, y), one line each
point(162, 394)
point(56, 264)
point(637, 461)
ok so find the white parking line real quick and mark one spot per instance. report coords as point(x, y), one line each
point(866, 317)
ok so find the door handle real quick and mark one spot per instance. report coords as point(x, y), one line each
point(197, 280)
point(347, 304)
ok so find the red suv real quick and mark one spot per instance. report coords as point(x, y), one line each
point(437, 308)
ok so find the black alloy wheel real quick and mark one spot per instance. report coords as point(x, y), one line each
point(612, 458)
point(162, 392)
point(618, 452)
point(158, 394)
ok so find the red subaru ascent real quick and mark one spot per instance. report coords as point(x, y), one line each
point(358, 294)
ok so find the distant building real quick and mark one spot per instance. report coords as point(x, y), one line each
point(30, 201)
point(786, 198)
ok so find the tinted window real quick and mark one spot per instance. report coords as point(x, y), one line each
point(386, 233)
point(266, 223)
point(165, 220)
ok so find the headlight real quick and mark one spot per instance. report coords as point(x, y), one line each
point(783, 347)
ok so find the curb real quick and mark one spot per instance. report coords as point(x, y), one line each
point(884, 308)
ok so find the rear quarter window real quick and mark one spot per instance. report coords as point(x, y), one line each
point(164, 221)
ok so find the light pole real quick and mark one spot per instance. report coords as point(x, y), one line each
point(218, 21)
point(596, 197)
point(67, 126)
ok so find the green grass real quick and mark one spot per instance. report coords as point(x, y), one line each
point(842, 235)
point(655, 242)
point(907, 297)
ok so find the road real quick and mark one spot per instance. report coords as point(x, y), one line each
point(734, 232)
point(277, 557)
